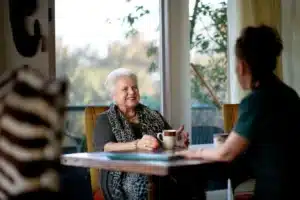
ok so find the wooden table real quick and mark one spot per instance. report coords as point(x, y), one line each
point(156, 168)
point(101, 161)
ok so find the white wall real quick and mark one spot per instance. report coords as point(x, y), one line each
point(234, 26)
point(9, 56)
point(175, 62)
point(290, 27)
point(238, 16)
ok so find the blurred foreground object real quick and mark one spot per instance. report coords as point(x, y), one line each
point(32, 112)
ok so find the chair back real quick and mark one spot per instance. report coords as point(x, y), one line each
point(91, 113)
point(204, 134)
point(230, 116)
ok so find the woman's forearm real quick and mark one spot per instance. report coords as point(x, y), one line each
point(233, 146)
point(121, 146)
point(215, 155)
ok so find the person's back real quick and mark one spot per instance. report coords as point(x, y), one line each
point(264, 140)
point(272, 153)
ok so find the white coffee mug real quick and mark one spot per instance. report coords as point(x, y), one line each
point(219, 138)
point(168, 139)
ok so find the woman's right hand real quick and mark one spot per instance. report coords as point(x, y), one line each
point(148, 143)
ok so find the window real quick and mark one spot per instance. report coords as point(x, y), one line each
point(94, 37)
point(208, 55)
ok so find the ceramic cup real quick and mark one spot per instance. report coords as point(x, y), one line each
point(168, 139)
point(219, 138)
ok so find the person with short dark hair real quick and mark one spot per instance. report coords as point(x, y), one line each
point(266, 134)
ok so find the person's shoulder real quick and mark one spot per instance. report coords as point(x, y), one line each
point(102, 117)
point(102, 120)
point(159, 113)
point(253, 99)
point(292, 98)
point(152, 110)
point(143, 106)
point(291, 92)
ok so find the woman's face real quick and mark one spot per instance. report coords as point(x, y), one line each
point(242, 73)
point(126, 92)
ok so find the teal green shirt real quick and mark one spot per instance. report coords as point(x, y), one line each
point(248, 123)
point(269, 119)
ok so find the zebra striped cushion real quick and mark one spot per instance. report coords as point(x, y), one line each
point(31, 123)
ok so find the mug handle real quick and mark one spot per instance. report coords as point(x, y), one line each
point(160, 137)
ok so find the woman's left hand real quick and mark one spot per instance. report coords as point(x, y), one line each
point(182, 137)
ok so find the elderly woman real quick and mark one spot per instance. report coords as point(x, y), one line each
point(265, 140)
point(127, 126)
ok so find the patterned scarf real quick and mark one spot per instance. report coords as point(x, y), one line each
point(132, 186)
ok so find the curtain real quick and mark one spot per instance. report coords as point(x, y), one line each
point(242, 13)
point(290, 17)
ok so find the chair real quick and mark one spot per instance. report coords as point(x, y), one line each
point(91, 113)
point(230, 115)
point(204, 134)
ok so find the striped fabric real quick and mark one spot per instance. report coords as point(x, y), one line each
point(31, 123)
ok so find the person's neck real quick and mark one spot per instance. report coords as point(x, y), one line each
point(247, 83)
point(267, 81)
point(127, 112)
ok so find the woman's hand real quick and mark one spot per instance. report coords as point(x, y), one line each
point(182, 137)
point(148, 143)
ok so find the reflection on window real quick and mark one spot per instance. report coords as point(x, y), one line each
point(209, 55)
point(94, 37)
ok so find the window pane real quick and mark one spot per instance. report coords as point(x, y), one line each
point(74, 128)
point(209, 55)
point(94, 37)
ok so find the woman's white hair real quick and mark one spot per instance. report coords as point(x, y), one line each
point(114, 75)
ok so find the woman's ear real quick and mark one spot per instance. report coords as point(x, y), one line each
point(113, 96)
point(243, 67)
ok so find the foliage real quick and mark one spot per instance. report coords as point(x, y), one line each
point(213, 36)
point(79, 63)
point(208, 36)
point(208, 39)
